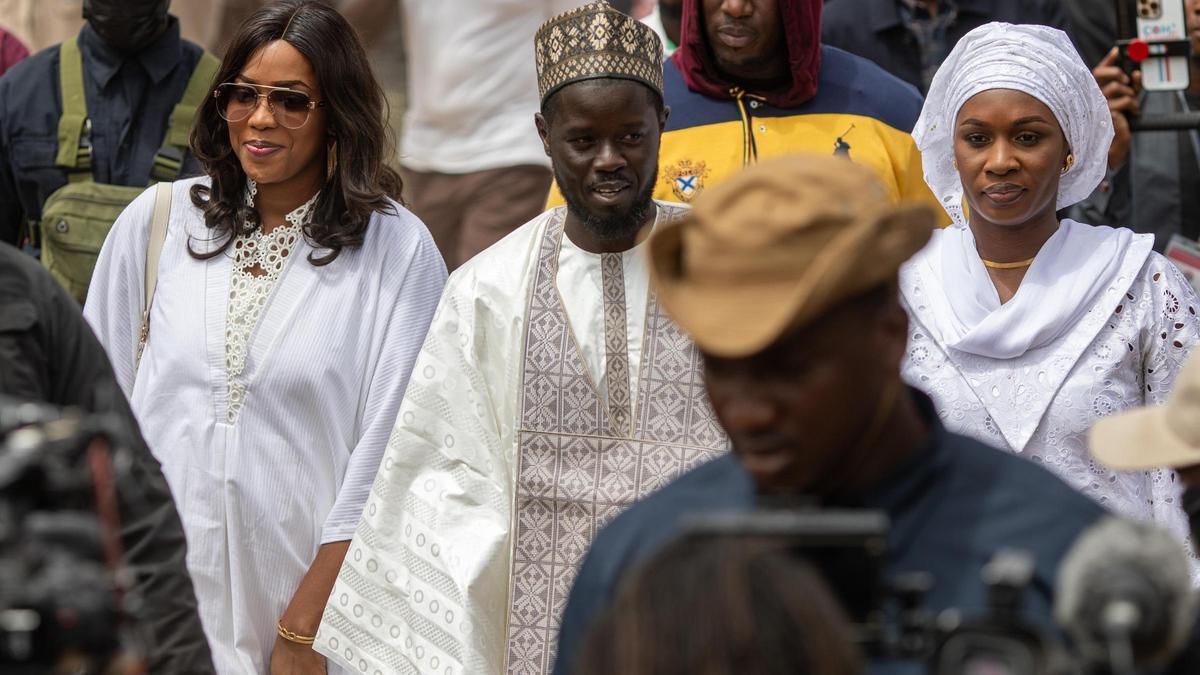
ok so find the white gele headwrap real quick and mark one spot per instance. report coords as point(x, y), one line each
point(1037, 60)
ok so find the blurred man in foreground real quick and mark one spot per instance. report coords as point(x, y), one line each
point(786, 278)
point(48, 354)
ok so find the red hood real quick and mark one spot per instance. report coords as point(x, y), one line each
point(802, 31)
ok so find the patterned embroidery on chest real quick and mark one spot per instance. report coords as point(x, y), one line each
point(575, 473)
point(258, 263)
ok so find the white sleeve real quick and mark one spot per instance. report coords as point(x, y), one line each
point(398, 331)
point(1174, 327)
point(114, 299)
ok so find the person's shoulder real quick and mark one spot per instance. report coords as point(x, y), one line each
point(502, 270)
point(29, 75)
point(852, 85)
point(1158, 269)
point(394, 226)
point(846, 16)
point(16, 265)
point(689, 108)
point(1173, 297)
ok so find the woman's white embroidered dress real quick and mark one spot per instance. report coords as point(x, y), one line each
point(1119, 348)
point(268, 399)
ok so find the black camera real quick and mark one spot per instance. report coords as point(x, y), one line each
point(62, 595)
point(1133, 573)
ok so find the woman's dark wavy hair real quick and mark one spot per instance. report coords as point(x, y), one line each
point(356, 113)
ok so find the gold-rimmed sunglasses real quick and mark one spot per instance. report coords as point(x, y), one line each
point(237, 101)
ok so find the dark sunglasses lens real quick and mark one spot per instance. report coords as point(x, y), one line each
point(291, 107)
point(290, 101)
point(235, 102)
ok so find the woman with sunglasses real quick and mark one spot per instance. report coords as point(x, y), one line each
point(1026, 329)
point(293, 294)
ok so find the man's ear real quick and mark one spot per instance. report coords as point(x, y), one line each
point(662, 118)
point(543, 130)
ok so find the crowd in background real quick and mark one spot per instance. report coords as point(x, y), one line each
point(439, 318)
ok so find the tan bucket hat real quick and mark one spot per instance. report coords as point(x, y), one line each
point(1156, 435)
point(776, 246)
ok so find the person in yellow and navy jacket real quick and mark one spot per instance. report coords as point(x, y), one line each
point(751, 80)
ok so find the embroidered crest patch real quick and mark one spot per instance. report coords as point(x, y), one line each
point(686, 178)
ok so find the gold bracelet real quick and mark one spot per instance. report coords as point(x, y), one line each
point(293, 637)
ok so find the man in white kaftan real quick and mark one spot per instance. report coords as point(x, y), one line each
point(551, 392)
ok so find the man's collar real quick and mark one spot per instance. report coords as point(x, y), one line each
point(885, 14)
point(911, 476)
point(158, 59)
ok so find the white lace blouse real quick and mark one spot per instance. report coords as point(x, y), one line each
point(1125, 352)
point(258, 261)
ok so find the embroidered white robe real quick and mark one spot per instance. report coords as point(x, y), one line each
point(1124, 353)
point(503, 463)
point(325, 370)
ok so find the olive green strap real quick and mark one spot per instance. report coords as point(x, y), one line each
point(74, 115)
point(168, 161)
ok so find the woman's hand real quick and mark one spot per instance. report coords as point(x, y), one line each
point(289, 658)
point(303, 614)
point(1122, 93)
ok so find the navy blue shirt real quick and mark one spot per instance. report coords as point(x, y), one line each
point(952, 506)
point(875, 29)
point(129, 100)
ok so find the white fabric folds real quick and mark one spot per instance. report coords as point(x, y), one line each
point(1037, 60)
point(1074, 267)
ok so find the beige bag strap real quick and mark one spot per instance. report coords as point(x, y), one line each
point(154, 247)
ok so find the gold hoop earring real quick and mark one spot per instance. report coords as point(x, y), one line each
point(1070, 163)
point(331, 160)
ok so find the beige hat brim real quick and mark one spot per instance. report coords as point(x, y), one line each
point(1138, 440)
point(740, 319)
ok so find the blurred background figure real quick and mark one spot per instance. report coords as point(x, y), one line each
point(722, 607)
point(85, 125)
point(11, 50)
point(911, 38)
point(48, 354)
point(474, 168)
point(1153, 179)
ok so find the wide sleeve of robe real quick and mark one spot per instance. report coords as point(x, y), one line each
point(414, 281)
point(424, 587)
point(1169, 333)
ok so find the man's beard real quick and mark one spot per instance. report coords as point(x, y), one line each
point(616, 226)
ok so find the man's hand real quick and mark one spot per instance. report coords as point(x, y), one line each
point(289, 658)
point(1122, 93)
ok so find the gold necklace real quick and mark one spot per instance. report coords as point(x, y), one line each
point(991, 264)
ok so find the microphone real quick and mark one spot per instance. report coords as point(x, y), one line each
point(1125, 595)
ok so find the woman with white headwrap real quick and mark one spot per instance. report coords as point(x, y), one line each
point(1026, 329)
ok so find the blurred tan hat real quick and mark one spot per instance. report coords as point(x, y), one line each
point(1156, 435)
point(776, 246)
